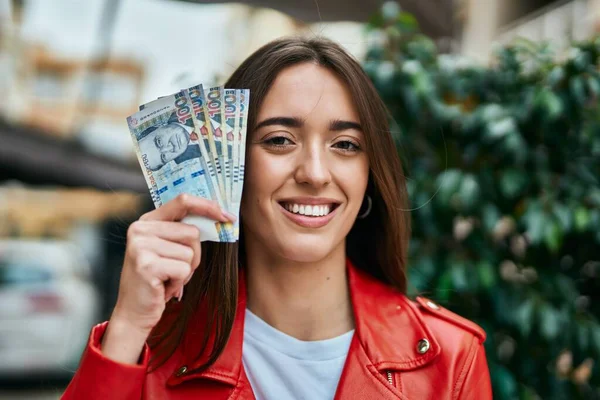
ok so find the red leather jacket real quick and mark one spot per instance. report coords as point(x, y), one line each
point(401, 350)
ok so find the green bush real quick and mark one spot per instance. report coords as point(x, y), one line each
point(503, 167)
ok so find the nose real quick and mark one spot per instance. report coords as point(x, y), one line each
point(169, 146)
point(313, 168)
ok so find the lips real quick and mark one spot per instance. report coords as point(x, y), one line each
point(309, 212)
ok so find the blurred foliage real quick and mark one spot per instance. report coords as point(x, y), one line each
point(503, 167)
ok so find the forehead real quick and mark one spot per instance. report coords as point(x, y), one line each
point(309, 91)
point(172, 128)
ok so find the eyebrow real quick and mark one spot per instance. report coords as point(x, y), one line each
point(340, 125)
point(291, 122)
point(295, 122)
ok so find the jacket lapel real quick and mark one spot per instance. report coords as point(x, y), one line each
point(388, 330)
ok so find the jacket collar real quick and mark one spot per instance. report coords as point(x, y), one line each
point(388, 328)
point(388, 325)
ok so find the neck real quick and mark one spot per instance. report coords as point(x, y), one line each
point(308, 301)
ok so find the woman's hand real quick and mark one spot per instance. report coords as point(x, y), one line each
point(161, 256)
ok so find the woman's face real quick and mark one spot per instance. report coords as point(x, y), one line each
point(307, 169)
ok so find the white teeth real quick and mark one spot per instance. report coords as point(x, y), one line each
point(309, 210)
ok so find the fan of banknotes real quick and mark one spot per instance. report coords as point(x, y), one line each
point(194, 142)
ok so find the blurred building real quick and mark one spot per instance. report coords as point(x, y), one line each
point(246, 32)
point(55, 94)
point(487, 23)
point(57, 212)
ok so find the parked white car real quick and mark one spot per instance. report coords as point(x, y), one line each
point(48, 304)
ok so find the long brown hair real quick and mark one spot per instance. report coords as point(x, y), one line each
point(377, 244)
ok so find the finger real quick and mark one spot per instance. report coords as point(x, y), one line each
point(172, 231)
point(185, 204)
point(172, 273)
point(172, 250)
point(189, 278)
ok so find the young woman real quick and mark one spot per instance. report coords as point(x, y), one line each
point(310, 304)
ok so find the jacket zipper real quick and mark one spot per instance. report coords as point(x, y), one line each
point(389, 378)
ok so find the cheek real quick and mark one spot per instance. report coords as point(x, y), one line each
point(353, 179)
point(265, 173)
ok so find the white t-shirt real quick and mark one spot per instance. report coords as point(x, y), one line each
point(281, 367)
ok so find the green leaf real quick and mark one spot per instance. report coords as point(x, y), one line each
point(594, 196)
point(566, 288)
point(553, 236)
point(504, 382)
point(595, 337)
point(516, 146)
point(487, 274)
point(448, 183)
point(556, 76)
point(577, 87)
point(550, 103)
point(469, 192)
point(582, 219)
point(535, 220)
point(550, 322)
point(491, 216)
point(444, 287)
point(500, 128)
point(583, 335)
point(408, 22)
point(594, 86)
point(523, 317)
point(460, 280)
point(512, 182)
point(564, 216)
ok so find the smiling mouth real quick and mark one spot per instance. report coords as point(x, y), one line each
point(310, 210)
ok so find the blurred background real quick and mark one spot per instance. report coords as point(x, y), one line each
point(495, 115)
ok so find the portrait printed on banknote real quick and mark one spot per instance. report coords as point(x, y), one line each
point(169, 142)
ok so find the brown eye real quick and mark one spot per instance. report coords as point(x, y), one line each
point(278, 141)
point(346, 145)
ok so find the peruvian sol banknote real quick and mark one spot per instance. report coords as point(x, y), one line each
point(167, 147)
point(231, 115)
point(239, 152)
point(204, 130)
point(218, 142)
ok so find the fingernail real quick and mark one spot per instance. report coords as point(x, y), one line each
point(229, 216)
point(180, 294)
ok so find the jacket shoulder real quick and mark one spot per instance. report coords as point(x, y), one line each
point(430, 309)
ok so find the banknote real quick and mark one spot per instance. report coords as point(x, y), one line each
point(231, 114)
point(215, 132)
point(166, 145)
point(196, 96)
point(243, 99)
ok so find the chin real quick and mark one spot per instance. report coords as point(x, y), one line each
point(306, 248)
